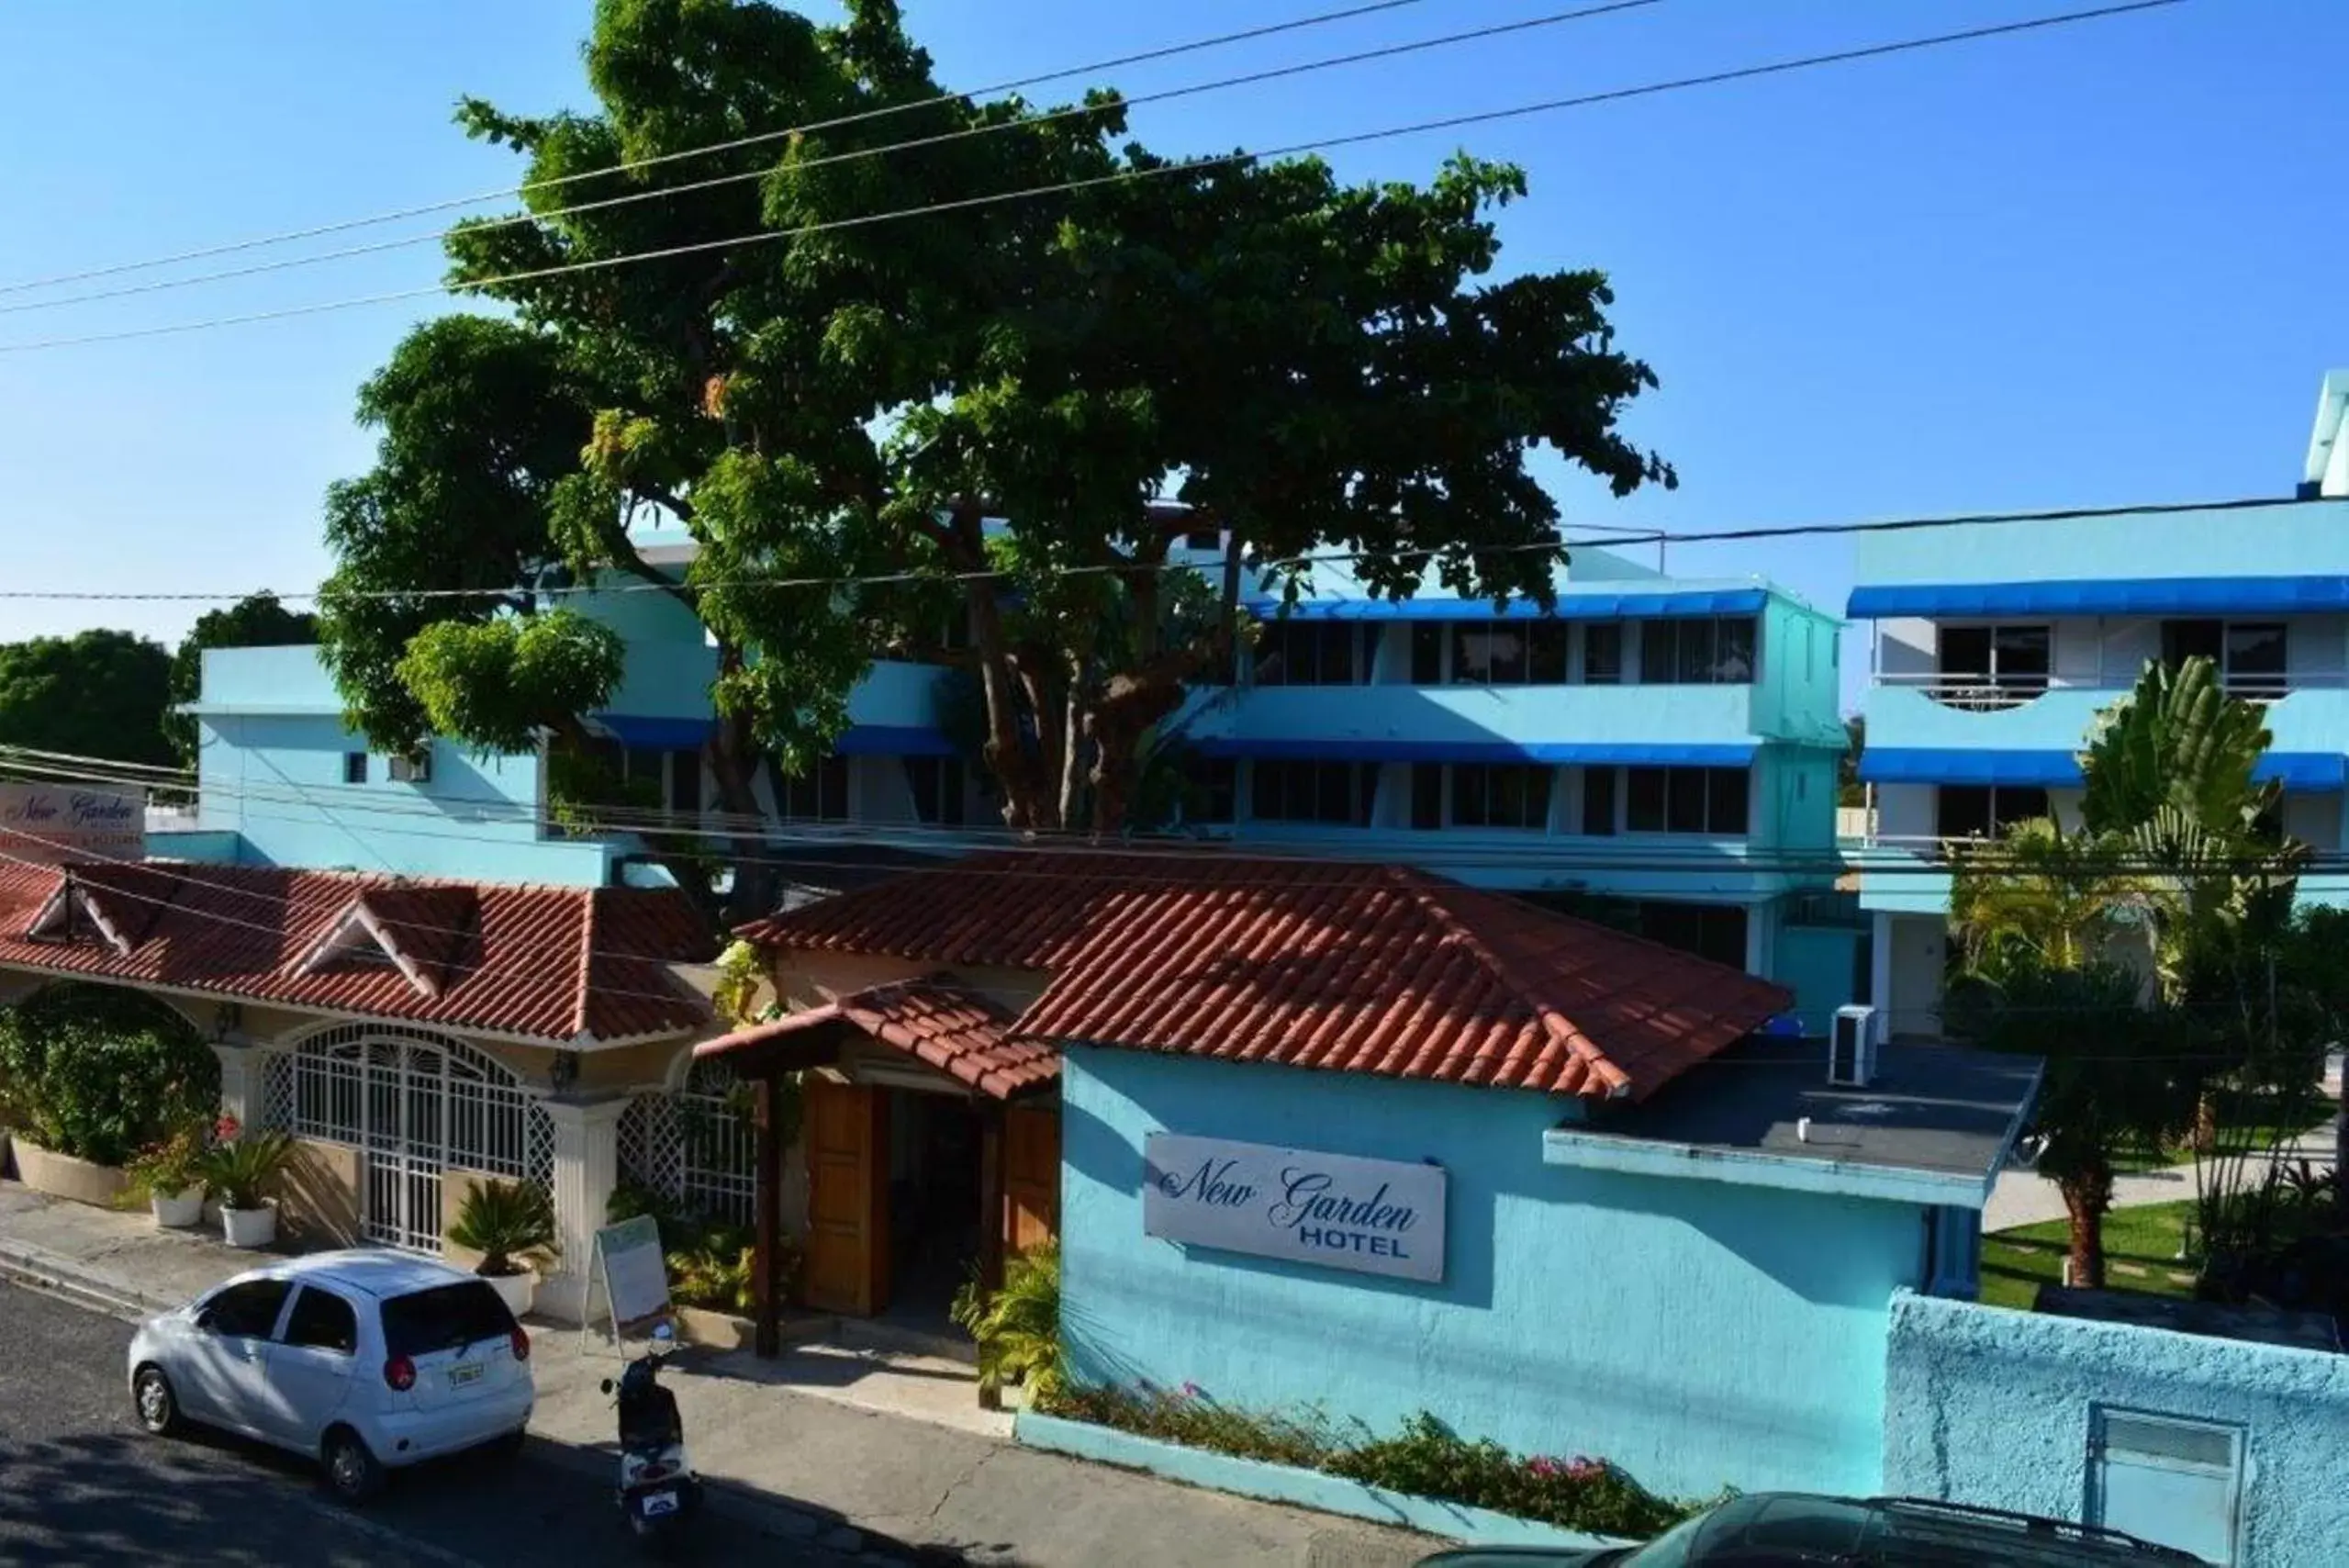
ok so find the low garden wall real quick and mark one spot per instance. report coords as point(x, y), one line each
point(2004, 1409)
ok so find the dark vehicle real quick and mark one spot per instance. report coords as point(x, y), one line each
point(1794, 1530)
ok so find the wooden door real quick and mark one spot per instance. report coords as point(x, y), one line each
point(1031, 1176)
point(846, 1267)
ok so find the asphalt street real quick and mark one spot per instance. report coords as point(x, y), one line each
point(80, 1484)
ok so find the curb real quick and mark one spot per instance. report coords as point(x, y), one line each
point(53, 1274)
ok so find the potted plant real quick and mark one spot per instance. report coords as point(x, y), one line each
point(167, 1176)
point(511, 1225)
point(238, 1170)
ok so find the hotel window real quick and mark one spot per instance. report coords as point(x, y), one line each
point(1427, 795)
point(1696, 653)
point(1709, 931)
point(354, 768)
point(820, 796)
point(1685, 800)
point(1509, 653)
point(1994, 666)
point(1500, 795)
point(1210, 792)
point(1985, 811)
point(938, 786)
point(1603, 652)
point(2251, 655)
point(1333, 793)
point(1309, 653)
point(1598, 801)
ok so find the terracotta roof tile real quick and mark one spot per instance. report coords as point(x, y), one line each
point(962, 1034)
point(1350, 967)
point(509, 960)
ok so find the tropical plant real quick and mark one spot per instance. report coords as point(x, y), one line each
point(241, 1168)
point(1018, 1328)
point(170, 1166)
point(719, 1274)
point(510, 1224)
point(2040, 893)
point(99, 1073)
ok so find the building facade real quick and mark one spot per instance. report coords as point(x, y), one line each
point(1993, 647)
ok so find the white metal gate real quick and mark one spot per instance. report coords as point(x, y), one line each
point(413, 1105)
point(695, 1146)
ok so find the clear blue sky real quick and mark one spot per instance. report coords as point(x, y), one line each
point(2103, 264)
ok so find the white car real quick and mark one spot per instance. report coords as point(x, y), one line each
point(365, 1361)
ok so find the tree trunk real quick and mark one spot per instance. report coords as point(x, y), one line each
point(733, 762)
point(2206, 1122)
point(2085, 1198)
point(1028, 795)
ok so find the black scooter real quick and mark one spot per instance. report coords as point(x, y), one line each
point(658, 1491)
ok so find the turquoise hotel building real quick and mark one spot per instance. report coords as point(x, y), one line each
point(1660, 751)
point(1993, 648)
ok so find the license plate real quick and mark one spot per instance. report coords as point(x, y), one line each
point(460, 1376)
point(655, 1504)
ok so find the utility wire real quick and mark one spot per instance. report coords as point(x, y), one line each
point(1278, 565)
point(758, 138)
point(1122, 176)
point(853, 155)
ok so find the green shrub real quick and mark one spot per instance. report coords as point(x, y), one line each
point(510, 1224)
point(242, 1167)
point(100, 1073)
point(1426, 1457)
point(712, 1263)
point(1018, 1328)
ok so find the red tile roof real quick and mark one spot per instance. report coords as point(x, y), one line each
point(1361, 968)
point(960, 1034)
point(559, 965)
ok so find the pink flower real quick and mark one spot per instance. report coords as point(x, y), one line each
point(1192, 1390)
point(1542, 1465)
point(225, 1129)
point(1582, 1469)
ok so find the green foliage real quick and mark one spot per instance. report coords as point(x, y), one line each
point(712, 1263)
point(257, 620)
point(170, 1166)
point(93, 694)
point(242, 1169)
point(510, 1224)
point(2179, 740)
point(100, 1073)
point(741, 970)
point(1425, 1458)
point(1311, 363)
point(495, 684)
point(1018, 1328)
point(2043, 897)
point(1848, 790)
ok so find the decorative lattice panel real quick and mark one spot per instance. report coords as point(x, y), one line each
point(696, 1146)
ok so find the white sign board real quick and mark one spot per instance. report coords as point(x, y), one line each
point(636, 1279)
point(1374, 1217)
point(52, 824)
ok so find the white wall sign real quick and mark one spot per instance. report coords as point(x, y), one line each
point(52, 824)
point(635, 1281)
point(1374, 1217)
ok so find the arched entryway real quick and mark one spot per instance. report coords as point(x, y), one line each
point(414, 1104)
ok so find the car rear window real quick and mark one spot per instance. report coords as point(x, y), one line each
point(444, 1318)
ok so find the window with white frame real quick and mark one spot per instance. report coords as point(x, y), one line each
point(821, 794)
point(1340, 793)
point(1311, 653)
point(2253, 657)
point(1702, 651)
point(1711, 800)
point(1985, 811)
point(1994, 666)
point(1507, 794)
point(1529, 652)
point(939, 785)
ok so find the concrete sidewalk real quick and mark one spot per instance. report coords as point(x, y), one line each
point(862, 1452)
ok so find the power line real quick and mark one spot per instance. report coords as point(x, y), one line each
point(757, 139)
point(1282, 564)
point(853, 155)
point(1122, 176)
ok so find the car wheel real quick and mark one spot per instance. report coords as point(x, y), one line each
point(352, 1474)
point(157, 1405)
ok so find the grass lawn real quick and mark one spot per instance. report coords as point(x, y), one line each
point(2272, 1121)
point(2141, 1249)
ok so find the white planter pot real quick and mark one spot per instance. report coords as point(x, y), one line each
point(517, 1291)
point(177, 1211)
point(249, 1228)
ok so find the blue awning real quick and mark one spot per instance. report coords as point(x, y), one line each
point(1571, 606)
point(1599, 754)
point(2313, 773)
point(643, 733)
point(2119, 595)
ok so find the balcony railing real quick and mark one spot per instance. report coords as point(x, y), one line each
point(1976, 693)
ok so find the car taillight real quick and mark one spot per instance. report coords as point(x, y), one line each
point(399, 1374)
point(522, 1345)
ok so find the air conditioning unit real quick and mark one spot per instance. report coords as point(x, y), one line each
point(1851, 1048)
point(417, 770)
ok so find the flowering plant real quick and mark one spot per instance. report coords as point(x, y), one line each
point(239, 1169)
point(169, 1166)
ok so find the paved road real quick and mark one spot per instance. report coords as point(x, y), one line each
point(79, 1484)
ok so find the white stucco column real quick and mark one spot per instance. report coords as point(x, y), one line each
point(587, 1169)
point(239, 1080)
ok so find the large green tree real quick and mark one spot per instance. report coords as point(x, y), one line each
point(1019, 405)
point(97, 694)
point(257, 620)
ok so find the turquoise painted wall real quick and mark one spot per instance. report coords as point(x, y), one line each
point(1903, 717)
point(2309, 538)
point(1991, 1406)
point(1698, 1333)
point(1799, 695)
point(1817, 964)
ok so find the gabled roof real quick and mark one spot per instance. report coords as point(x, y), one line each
point(1381, 969)
point(958, 1032)
point(558, 965)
